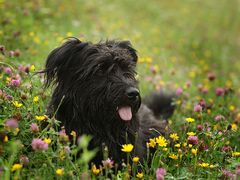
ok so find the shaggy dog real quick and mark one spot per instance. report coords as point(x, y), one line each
point(96, 93)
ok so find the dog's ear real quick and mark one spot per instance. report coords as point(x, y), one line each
point(127, 45)
point(61, 60)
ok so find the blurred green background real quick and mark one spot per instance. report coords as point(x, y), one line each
point(177, 41)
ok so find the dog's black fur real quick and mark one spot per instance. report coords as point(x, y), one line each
point(92, 81)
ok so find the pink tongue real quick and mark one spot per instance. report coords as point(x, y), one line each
point(125, 113)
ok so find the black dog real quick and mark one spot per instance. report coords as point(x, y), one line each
point(96, 93)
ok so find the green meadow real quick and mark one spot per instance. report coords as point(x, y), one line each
point(188, 47)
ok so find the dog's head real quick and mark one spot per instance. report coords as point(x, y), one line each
point(98, 79)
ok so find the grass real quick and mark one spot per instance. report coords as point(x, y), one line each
point(182, 46)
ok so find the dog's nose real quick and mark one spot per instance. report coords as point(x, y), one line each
point(132, 93)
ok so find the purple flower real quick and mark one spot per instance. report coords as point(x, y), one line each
point(8, 70)
point(219, 118)
point(15, 82)
point(38, 144)
point(11, 123)
point(203, 146)
point(34, 128)
point(226, 148)
point(193, 140)
point(24, 160)
point(200, 127)
point(108, 163)
point(67, 149)
point(238, 170)
point(179, 91)
point(219, 91)
point(227, 174)
point(211, 76)
point(160, 173)
point(197, 108)
point(11, 53)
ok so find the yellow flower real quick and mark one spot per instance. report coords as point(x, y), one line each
point(177, 145)
point(32, 68)
point(139, 175)
point(191, 133)
point(16, 167)
point(212, 166)
point(209, 111)
point(73, 133)
point(47, 140)
point(190, 120)
point(127, 148)
point(36, 99)
point(194, 151)
point(184, 144)
point(231, 108)
point(62, 154)
point(152, 143)
point(16, 131)
point(135, 159)
point(161, 141)
point(5, 138)
point(190, 145)
point(203, 164)
point(173, 156)
point(40, 118)
point(95, 170)
point(69, 34)
point(234, 127)
point(17, 104)
point(59, 171)
point(165, 149)
point(236, 154)
point(174, 136)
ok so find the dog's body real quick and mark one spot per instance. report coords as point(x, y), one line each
point(96, 93)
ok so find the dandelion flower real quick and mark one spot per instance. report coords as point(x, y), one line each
point(234, 127)
point(40, 118)
point(5, 139)
point(135, 159)
point(161, 141)
point(32, 68)
point(95, 171)
point(152, 143)
point(73, 133)
point(127, 148)
point(190, 120)
point(203, 164)
point(177, 145)
point(36, 99)
point(173, 156)
point(174, 136)
point(236, 154)
point(47, 140)
point(59, 171)
point(16, 167)
point(191, 133)
point(139, 175)
point(17, 104)
point(194, 151)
